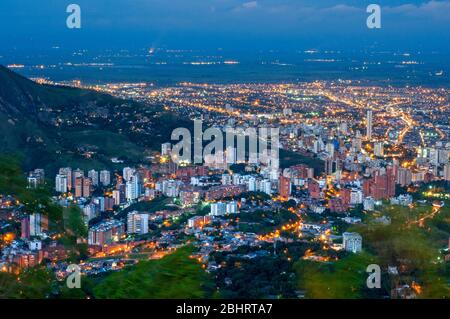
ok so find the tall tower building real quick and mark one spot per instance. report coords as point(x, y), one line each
point(284, 187)
point(378, 149)
point(93, 175)
point(105, 177)
point(78, 187)
point(369, 124)
point(68, 172)
point(87, 187)
point(447, 172)
point(137, 223)
point(61, 182)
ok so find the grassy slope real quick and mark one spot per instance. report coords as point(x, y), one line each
point(174, 276)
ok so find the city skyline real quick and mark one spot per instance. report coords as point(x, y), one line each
point(225, 150)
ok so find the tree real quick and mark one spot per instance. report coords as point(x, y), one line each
point(174, 276)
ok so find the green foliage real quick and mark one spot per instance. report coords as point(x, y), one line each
point(12, 180)
point(288, 158)
point(262, 222)
point(74, 223)
point(33, 283)
point(9, 286)
point(174, 276)
point(345, 279)
point(159, 203)
point(85, 291)
point(257, 278)
point(414, 249)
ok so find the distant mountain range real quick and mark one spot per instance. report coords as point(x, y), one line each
point(52, 126)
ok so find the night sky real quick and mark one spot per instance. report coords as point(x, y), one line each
point(233, 24)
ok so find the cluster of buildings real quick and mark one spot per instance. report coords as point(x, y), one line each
point(359, 149)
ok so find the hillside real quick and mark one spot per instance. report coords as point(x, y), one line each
point(52, 126)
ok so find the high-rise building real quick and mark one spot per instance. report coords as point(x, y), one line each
point(343, 128)
point(337, 205)
point(369, 204)
point(116, 196)
point(232, 207)
point(231, 155)
point(61, 182)
point(381, 185)
point(68, 172)
point(369, 124)
point(251, 184)
point(137, 223)
point(105, 177)
point(378, 149)
point(218, 209)
point(166, 149)
point(25, 227)
point(356, 197)
point(227, 179)
point(87, 187)
point(198, 221)
point(93, 175)
point(314, 189)
point(90, 211)
point(447, 172)
point(79, 187)
point(265, 186)
point(404, 177)
point(171, 188)
point(357, 142)
point(77, 174)
point(443, 156)
point(38, 224)
point(133, 188)
point(106, 233)
point(329, 148)
point(330, 166)
point(189, 197)
point(127, 172)
point(352, 242)
point(284, 186)
point(36, 178)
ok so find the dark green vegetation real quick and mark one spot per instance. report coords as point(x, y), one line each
point(13, 182)
point(159, 203)
point(50, 126)
point(258, 278)
point(262, 222)
point(344, 279)
point(174, 276)
point(410, 246)
point(35, 283)
point(288, 158)
point(65, 221)
point(413, 246)
point(260, 272)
